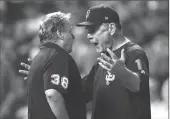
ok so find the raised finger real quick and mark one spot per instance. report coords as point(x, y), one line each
point(107, 64)
point(29, 60)
point(23, 72)
point(25, 78)
point(103, 66)
point(123, 57)
point(25, 65)
point(113, 56)
point(104, 56)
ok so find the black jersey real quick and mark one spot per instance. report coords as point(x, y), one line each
point(110, 99)
point(54, 68)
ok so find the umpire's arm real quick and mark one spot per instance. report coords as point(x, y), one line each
point(54, 75)
point(56, 102)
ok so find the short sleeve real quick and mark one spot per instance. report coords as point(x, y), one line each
point(56, 75)
point(137, 62)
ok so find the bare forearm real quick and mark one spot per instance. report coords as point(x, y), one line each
point(130, 80)
point(56, 103)
point(58, 109)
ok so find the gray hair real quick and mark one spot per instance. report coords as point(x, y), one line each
point(50, 24)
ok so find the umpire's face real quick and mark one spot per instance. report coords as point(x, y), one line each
point(68, 37)
point(100, 36)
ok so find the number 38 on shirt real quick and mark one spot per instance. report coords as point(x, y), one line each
point(57, 80)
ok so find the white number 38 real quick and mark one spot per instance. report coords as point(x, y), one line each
point(56, 80)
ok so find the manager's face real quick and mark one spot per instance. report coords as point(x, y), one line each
point(99, 35)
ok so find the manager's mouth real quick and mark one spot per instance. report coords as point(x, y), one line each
point(96, 44)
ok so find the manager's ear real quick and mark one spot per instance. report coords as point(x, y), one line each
point(60, 35)
point(112, 28)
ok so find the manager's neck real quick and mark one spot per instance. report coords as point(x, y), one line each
point(118, 42)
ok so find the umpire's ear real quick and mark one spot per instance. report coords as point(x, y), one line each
point(112, 28)
point(60, 35)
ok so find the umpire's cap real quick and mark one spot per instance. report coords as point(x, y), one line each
point(100, 14)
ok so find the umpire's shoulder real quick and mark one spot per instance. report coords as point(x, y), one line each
point(53, 57)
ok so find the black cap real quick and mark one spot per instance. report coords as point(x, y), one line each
point(100, 14)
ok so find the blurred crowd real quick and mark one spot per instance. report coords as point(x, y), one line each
point(145, 23)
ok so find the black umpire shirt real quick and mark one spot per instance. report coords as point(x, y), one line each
point(110, 99)
point(54, 68)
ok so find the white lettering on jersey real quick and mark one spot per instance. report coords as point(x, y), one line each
point(109, 77)
point(56, 80)
point(139, 64)
point(64, 82)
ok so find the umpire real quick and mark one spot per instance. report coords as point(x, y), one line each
point(55, 85)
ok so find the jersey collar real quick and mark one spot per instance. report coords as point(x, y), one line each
point(124, 43)
point(52, 45)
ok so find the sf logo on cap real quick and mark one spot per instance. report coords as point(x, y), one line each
point(87, 14)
